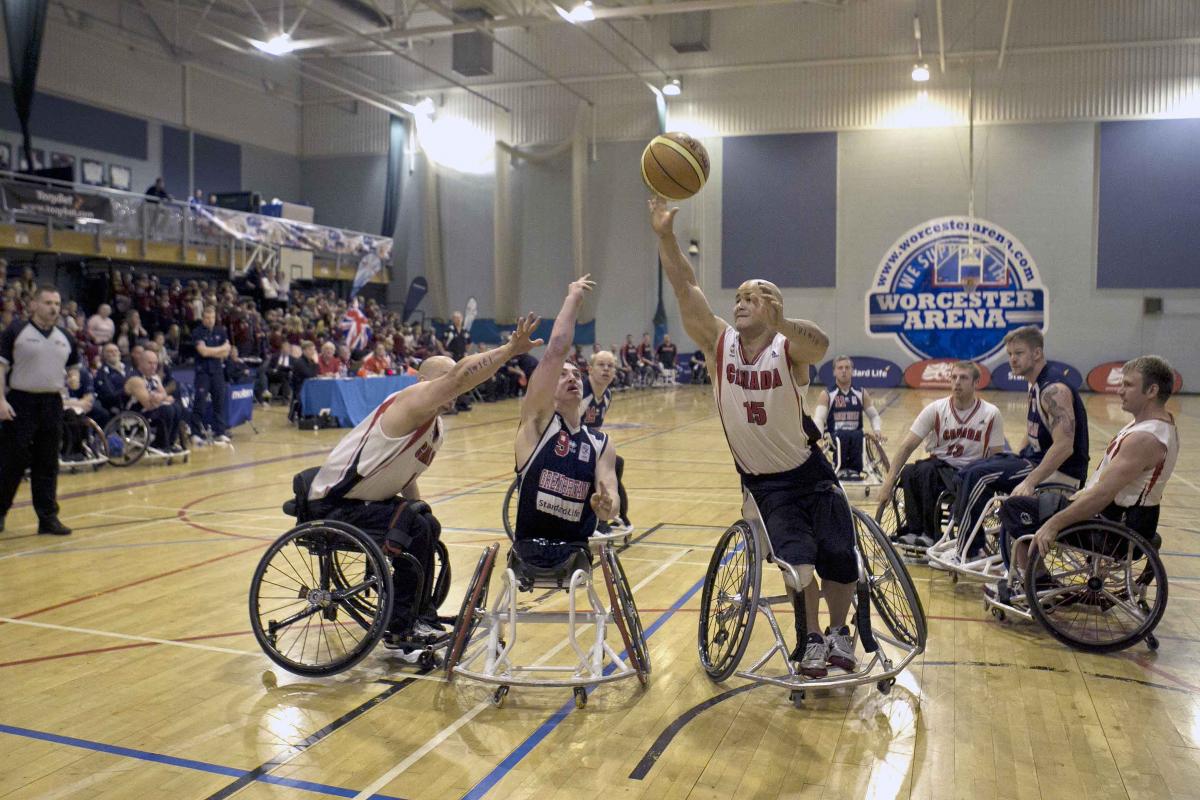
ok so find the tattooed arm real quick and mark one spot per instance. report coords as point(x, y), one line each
point(807, 343)
point(1058, 409)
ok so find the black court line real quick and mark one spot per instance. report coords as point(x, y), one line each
point(664, 739)
point(646, 533)
point(298, 748)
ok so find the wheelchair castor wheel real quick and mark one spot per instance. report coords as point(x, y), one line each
point(954, 577)
point(427, 660)
point(999, 614)
point(499, 695)
point(885, 686)
point(1152, 642)
point(796, 697)
point(580, 697)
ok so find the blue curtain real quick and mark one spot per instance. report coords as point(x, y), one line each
point(397, 131)
point(24, 24)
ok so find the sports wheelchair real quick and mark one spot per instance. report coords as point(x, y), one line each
point(129, 435)
point(1101, 588)
point(93, 448)
point(975, 554)
point(732, 598)
point(875, 461)
point(890, 516)
point(487, 657)
point(512, 501)
point(322, 596)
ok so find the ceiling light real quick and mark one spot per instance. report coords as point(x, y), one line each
point(920, 72)
point(425, 108)
point(277, 45)
point(580, 13)
point(672, 88)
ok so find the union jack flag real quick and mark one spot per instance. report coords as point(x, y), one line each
point(356, 328)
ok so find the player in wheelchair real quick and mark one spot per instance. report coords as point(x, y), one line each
point(359, 514)
point(857, 456)
point(957, 430)
point(83, 440)
point(568, 480)
point(151, 423)
point(1087, 567)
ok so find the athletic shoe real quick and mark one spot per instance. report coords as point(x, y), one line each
point(222, 439)
point(626, 525)
point(176, 449)
point(841, 649)
point(812, 659)
point(52, 526)
point(198, 441)
point(915, 540)
point(603, 528)
point(154, 451)
point(423, 630)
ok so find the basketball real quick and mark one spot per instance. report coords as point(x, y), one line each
point(675, 166)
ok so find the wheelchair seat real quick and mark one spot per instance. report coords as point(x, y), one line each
point(301, 484)
point(552, 576)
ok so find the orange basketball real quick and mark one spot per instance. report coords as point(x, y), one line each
point(675, 166)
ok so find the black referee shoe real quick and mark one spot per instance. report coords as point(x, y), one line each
point(52, 526)
point(2, 523)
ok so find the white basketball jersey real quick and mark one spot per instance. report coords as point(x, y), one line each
point(959, 437)
point(760, 406)
point(1147, 488)
point(368, 465)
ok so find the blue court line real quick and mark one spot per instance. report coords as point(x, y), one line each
point(525, 748)
point(185, 763)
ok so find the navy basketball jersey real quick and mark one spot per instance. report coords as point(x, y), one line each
point(592, 408)
point(845, 409)
point(557, 482)
point(1040, 440)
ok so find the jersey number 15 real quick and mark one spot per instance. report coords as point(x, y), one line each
point(756, 412)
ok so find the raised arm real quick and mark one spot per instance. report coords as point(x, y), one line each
point(539, 393)
point(420, 403)
point(604, 499)
point(1056, 400)
point(807, 343)
point(698, 318)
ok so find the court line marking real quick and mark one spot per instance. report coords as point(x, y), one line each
point(448, 731)
point(175, 761)
point(115, 648)
point(126, 636)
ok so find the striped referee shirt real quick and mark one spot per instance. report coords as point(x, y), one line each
point(36, 359)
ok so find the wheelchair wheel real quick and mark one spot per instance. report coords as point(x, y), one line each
point(876, 457)
point(320, 599)
point(95, 443)
point(510, 508)
point(890, 515)
point(729, 601)
point(128, 435)
point(892, 591)
point(474, 604)
point(625, 613)
point(1102, 588)
point(441, 566)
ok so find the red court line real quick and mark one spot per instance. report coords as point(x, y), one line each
point(182, 514)
point(1140, 661)
point(115, 648)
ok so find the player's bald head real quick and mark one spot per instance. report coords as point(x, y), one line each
point(435, 367)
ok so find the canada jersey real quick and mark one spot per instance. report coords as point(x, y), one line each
point(557, 482)
point(1147, 488)
point(959, 437)
point(845, 409)
point(369, 465)
point(760, 407)
point(593, 408)
point(1039, 438)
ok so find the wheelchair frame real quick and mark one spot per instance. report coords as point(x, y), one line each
point(891, 512)
point(508, 512)
point(744, 603)
point(95, 450)
point(875, 461)
point(486, 658)
point(134, 430)
point(1030, 603)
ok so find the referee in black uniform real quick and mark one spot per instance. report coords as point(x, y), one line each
point(34, 356)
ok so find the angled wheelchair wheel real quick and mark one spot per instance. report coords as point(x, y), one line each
point(128, 435)
point(320, 599)
point(876, 457)
point(95, 444)
point(511, 498)
point(892, 591)
point(729, 601)
point(441, 567)
point(890, 514)
point(1102, 587)
point(625, 613)
point(474, 605)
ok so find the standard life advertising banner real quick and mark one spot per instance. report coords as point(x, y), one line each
point(53, 202)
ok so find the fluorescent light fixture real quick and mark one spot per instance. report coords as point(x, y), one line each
point(277, 45)
point(424, 108)
point(580, 13)
point(672, 88)
point(455, 143)
point(920, 72)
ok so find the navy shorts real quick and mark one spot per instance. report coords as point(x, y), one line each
point(808, 519)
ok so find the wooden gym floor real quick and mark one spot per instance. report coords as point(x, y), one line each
point(127, 669)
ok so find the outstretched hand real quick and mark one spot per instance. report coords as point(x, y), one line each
point(772, 309)
point(602, 503)
point(521, 341)
point(662, 219)
point(580, 286)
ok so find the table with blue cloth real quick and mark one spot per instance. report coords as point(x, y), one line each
point(349, 400)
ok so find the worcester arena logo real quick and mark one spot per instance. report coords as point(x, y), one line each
point(953, 287)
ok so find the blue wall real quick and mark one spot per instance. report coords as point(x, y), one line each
point(779, 209)
point(76, 123)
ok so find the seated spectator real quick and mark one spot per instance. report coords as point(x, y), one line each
point(699, 368)
point(329, 365)
point(376, 364)
point(304, 367)
point(667, 352)
point(279, 372)
point(78, 404)
point(148, 396)
point(109, 381)
point(130, 332)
